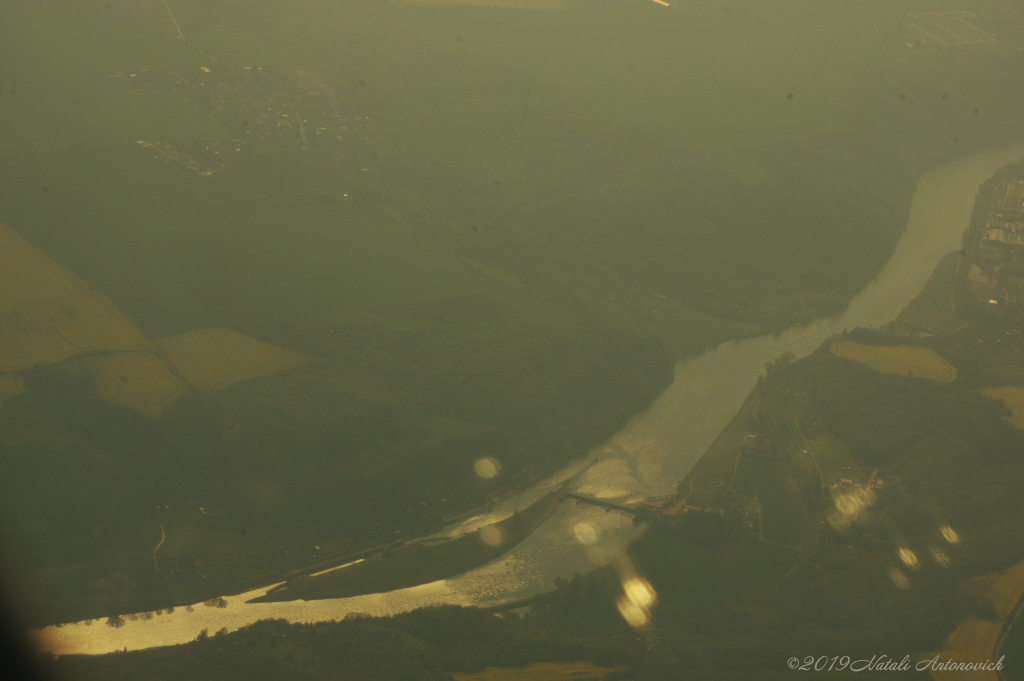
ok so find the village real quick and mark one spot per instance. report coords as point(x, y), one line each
point(260, 108)
point(996, 275)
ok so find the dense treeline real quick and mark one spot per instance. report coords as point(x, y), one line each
point(306, 457)
point(426, 644)
point(955, 463)
point(579, 214)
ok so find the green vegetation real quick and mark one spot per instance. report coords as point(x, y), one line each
point(780, 520)
point(924, 456)
point(933, 310)
point(241, 47)
point(62, 88)
point(834, 458)
point(732, 572)
point(527, 216)
point(900, 360)
point(1013, 648)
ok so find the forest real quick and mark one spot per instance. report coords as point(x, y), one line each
point(486, 278)
point(948, 458)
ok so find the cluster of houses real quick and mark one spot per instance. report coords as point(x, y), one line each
point(994, 278)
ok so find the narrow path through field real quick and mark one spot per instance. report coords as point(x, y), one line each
point(760, 534)
point(163, 536)
point(956, 276)
point(810, 452)
point(173, 20)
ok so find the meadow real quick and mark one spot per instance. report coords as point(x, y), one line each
point(834, 458)
point(1013, 397)
point(976, 637)
point(61, 87)
point(900, 360)
point(687, 575)
point(934, 308)
point(780, 517)
point(544, 209)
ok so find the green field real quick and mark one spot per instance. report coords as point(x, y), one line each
point(688, 575)
point(933, 309)
point(719, 463)
point(780, 511)
point(146, 237)
point(730, 72)
point(60, 87)
point(834, 458)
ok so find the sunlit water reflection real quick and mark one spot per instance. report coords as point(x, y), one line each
point(647, 458)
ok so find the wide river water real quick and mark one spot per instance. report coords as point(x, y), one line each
point(648, 457)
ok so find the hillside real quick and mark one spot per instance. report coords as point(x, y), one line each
point(865, 499)
point(489, 229)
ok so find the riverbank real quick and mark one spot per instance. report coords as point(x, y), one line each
point(650, 456)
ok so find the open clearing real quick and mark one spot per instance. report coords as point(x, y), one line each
point(934, 309)
point(62, 88)
point(213, 359)
point(47, 313)
point(701, 578)
point(10, 385)
point(901, 360)
point(137, 380)
point(976, 638)
point(1013, 397)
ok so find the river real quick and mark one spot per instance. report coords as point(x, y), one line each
point(648, 457)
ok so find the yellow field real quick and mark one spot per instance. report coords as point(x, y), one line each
point(213, 359)
point(974, 639)
point(543, 671)
point(902, 360)
point(1003, 589)
point(1013, 397)
point(10, 385)
point(139, 380)
point(47, 313)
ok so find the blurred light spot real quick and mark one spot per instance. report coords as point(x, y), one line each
point(940, 557)
point(908, 557)
point(639, 591)
point(949, 534)
point(898, 578)
point(585, 533)
point(491, 535)
point(598, 555)
point(638, 594)
point(849, 507)
point(634, 615)
point(487, 468)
